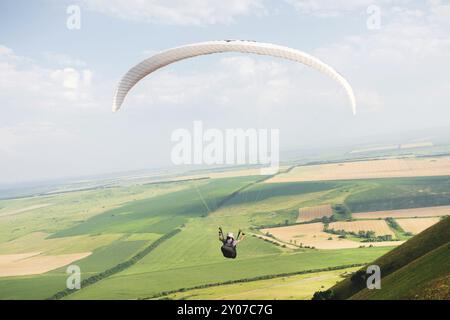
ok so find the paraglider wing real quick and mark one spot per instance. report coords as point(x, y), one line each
point(135, 74)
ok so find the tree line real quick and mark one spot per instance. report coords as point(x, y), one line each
point(117, 268)
point(263, 277)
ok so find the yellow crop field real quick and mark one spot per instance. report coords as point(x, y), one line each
point(311, 213)
point(387, 168)
point(39, 242)
point(298, 287)
point(416, 225)
point(437, 211)
point(312, 235)
point(35, 263)
point(380, 227)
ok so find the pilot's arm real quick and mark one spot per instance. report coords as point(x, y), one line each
point(221, 238)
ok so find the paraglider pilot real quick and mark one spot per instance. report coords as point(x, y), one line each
point(229, 243)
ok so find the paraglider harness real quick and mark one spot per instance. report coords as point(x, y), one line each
point(228, 248)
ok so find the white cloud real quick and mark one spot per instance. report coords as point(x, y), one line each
point(25, 83)
point(396, 69)
point(335, 8)
point(64, 60)
point(327, 8)
point(400, 68)
point(177, 12)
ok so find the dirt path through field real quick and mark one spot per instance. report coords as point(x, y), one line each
point(22, 210)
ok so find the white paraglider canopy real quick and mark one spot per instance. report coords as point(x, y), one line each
point(157, 61)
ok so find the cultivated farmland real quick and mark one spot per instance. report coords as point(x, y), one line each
point(311, 213)
point(117, 223)
point(380, 227)
point(416, 226)
point(372, 169)
point(34, 263)
point(312, 235)
point(400, 193)
point(438, 211)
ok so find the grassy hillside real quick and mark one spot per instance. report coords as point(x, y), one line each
point(427, 277)
point(419, 261)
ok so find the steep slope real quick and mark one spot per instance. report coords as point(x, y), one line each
point(423, 260)
point(427, 277)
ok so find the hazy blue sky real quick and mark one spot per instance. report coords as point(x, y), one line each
point(56, 84)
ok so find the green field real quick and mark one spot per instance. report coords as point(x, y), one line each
point(44, 286)
point(401, 193)
point(117, 223)
point(137, 283)
point(298, 287)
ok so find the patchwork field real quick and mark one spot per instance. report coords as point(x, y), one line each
point(116, 224)
point(380, 227)
point(405, 213)
point(416, 225)
point(33, 263)
point(373, 169)
point(311, 213)
point(312, 235)
point(272, 240)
